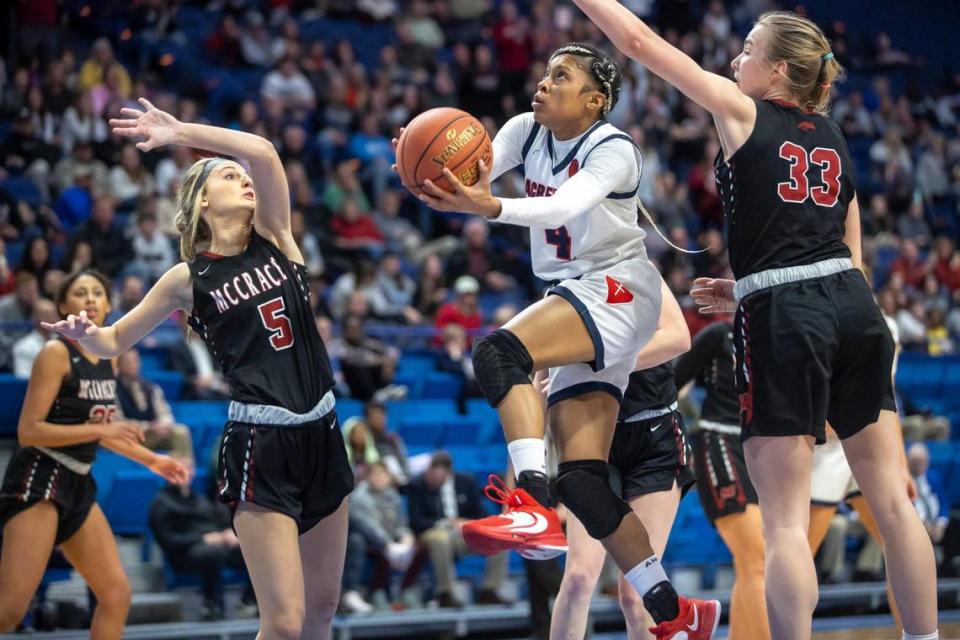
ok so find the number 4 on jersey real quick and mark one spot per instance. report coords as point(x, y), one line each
point(276, 321)
point(798, 188)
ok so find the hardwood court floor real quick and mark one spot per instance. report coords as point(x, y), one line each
point(949, 631)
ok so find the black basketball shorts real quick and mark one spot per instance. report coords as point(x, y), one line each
point(33, 476)
point(812, 351)
point(648, 456)
point(724, 485)
point(301, 471)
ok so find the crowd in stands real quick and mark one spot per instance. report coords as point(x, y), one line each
point(330, 82)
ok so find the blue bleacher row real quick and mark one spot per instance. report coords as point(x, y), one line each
point(430, 419)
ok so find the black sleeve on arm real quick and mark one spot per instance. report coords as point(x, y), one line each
point(704, 348)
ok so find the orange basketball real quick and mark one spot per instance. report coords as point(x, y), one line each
point(439, 138)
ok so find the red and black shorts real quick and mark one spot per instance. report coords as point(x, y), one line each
point(32, 477)
point(298, 470)
point(648, 456)
point(724, 485)
point(811, 351)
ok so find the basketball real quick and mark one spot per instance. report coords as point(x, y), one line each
point(438, 138)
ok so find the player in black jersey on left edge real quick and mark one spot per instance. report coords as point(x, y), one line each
point(283, 467)
point(48, 496)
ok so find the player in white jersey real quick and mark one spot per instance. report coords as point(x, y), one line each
point(581, 177)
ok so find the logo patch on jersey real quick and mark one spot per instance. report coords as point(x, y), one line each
point(617, 293)
point(806, 125)
point(573, 168)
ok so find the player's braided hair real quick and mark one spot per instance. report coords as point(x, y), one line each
point(601, 67)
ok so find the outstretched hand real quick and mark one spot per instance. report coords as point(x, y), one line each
point(714, 295)
point(73, 327)
point(170, 469)
point(158, 128)
point(475, 199)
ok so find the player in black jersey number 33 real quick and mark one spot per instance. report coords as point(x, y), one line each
point(283, 467)
point(811, 342)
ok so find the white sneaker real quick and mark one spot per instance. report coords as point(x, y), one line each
point(353, 602)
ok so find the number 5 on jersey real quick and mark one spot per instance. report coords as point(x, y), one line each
point(277, 323)
point(798, 188)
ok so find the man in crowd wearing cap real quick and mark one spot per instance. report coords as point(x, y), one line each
point(464, 310)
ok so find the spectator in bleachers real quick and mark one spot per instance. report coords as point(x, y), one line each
point(255, 42)
point(455, 358)
point(476, 257)
point(132, 290)
point(355, 234)
point(153, 251)
point(392, 291)
point(98, 67)
point(36, 257)
point(17, 307)
point(287, 86)
point(389, 444)
point(909, 264)
point(25, 349)
point(344, 185)
point(80, 161)
point(196, 537)
point(130, 179)
point(308, 244)
point(368, 364)
point(79, 256)
point(913, 226)
point(432, 289)
point(464, 309)
point(912, 323)
point(105, 237)
point(202, 379)
point(938, 339)
point(224, 42)
point(144, 402)
point(399, 234)
point(944, 263)
point(440, 502)
point(81, 125)
point(361, 448)
point(25, 153)
point(931, 502)
point(379, 531)
point(51, 283)
point(356, 280)
point(7, 279)
point(172, 169)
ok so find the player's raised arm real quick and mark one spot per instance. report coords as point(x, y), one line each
point(634, 38)
point(272, 195)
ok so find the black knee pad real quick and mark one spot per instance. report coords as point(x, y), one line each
point(500, 361)
point(584, 486)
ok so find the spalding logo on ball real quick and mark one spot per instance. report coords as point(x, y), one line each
point(439, 138)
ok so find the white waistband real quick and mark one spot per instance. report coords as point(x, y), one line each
point(649, 414)
point(80, 468)
point(773, 277)
point(719, 427)
point(269, 414)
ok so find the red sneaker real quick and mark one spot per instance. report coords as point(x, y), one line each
point(525, 526)
point(698, 620)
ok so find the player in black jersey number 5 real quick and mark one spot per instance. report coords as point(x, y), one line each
point(48, 495)
point(283, 467)
point(811, 342)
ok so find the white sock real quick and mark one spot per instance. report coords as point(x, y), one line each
point(527, 454)
point(930, 636)
point(646, 575)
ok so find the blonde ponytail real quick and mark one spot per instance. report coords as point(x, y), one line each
point(812, 68)
point(194, 231)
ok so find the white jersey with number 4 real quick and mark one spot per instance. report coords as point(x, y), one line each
point(589, 220)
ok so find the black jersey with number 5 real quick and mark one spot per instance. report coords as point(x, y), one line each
point(87, 394)
point(785, 192)
point(253, 311)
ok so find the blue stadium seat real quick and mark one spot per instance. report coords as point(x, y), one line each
point(439, 384)
point(127, 504)
point(421, 431)
point(106, 467)
point(417, 362)
point(436, 409)
point(170, 381)
point(465, 431)
point(348, 408)
point(22, 189)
